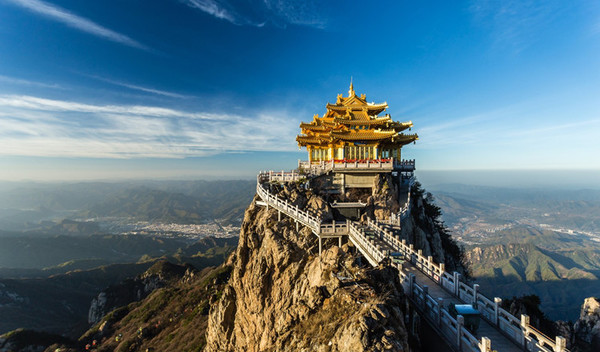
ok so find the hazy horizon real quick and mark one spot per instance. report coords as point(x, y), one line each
point(173, 89)
point(431, 179)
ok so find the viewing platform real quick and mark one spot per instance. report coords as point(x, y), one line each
point(383, 165)
point(429, 287)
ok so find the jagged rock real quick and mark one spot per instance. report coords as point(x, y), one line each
point(384, 198)
point(282, 296)
point(587, 327)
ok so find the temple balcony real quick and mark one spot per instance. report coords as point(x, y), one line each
point(376, 165)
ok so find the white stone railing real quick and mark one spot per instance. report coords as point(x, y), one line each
point(282, 205)
point(294, 211)
point(518, 330)
point(433, 310)
point(369, 250)
point(334, 228)
point(320, 167)
point(396, 218)
point(282, 176)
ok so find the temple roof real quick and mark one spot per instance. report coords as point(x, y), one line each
point(357, 135)
point(352, 119)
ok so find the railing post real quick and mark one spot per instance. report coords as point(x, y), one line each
point(524, 329)
point(411, 284)
point(475, 291)
point(440, 307)
point(486, 344)
point(278, 215)
point(561, 344)
point(320, 245)
point(460, 320)
point(457, 284)
point(429, 265)
point(497, 303)
point(425, 293)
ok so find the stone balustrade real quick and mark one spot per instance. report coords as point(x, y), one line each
point(520, 331)
point(320, 167)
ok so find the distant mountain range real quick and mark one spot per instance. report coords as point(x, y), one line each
point(529, 241)
point(57, 299)
point(184, 202)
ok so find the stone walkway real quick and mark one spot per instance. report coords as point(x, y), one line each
point(500, 342)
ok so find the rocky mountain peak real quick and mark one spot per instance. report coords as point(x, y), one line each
point(283, 296)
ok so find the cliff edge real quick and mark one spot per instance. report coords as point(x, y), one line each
point(283, 296)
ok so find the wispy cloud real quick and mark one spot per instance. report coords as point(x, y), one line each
point(24, 82)
point(255, 13)
point(139, 88)
point(36, 126)
point(83, 24)
point(219, 10)
point(515, 24)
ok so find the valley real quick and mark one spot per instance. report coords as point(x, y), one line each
point(528, 241)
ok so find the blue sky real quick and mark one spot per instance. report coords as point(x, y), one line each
point(201, 88)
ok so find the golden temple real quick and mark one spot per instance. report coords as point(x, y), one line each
point(352, 130)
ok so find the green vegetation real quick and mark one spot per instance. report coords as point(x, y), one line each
point(44, 252)
point(434, 212)
point(561, 269)
point(21, 338)
point(40, 300)
point(172, 318)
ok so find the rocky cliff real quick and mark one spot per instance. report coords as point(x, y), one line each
point(587, 328)
point(283, 296)
point(425, 229)
point(274, 293)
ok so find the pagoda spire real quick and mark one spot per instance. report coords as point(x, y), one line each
point(351, 91)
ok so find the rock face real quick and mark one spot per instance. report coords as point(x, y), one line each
point(384, 199)
point(587, 327)
point(282, 296)
point(426, 231)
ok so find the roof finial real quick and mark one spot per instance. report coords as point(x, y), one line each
point(351, 91)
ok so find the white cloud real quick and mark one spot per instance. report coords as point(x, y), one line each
point(24, 82)
point(255, 13)
point(32, 126)
point(214, 8)
point(515, 24)
point(139, 88)
point(83, 24)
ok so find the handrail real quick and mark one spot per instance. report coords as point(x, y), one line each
point(468, 294)
point(320, 167)
point(518, 330)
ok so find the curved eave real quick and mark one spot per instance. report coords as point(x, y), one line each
point(370, 122)
point(405, 138)
point(369, 107)
point(312, 139)
point(364, 136)
point(310, 127)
